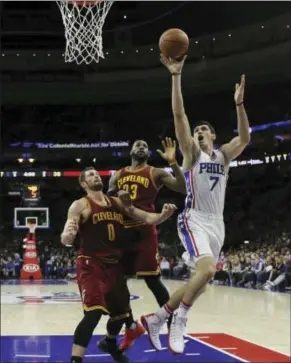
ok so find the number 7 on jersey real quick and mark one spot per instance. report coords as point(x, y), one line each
point(215, 180)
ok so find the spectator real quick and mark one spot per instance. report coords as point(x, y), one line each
point(48, 268)
point(173, 263)
point(245, 269)
point(17, 265)
point(222, 257)
point(251, 275)
point(263, 275)
point(9, 267)
point(180, 269)
point(222, 271)
point(165, 268)
point(277, 276)
point(235, 269)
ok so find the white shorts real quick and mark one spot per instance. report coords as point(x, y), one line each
point(201, 234)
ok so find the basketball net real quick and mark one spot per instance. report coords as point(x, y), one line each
point(31, 226)
point(83, 22)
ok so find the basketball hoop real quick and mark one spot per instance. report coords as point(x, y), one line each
point(83, 22)
point(31, 226)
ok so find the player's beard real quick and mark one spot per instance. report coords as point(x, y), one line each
point(95, 187)
point(140, 157)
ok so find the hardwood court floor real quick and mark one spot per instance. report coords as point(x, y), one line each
point(47, 312)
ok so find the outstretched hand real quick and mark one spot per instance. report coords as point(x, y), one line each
point(240, 90)
point(174, 66)
point(169, 152)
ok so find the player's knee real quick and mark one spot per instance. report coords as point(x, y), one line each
point(93, 317)
point(209, 272)
point(203, 289)
point(207, 268)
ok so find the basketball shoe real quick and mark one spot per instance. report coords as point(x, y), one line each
point(131, 335)
point(176, 334)
point(110, 346)
point(153, 325)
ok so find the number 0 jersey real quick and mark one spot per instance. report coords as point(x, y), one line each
point(206, 182)
point(102, 231)
point(142, 189)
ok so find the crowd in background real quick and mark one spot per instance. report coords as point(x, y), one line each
point(56, 261)
point(252, 264)
point(257, 265)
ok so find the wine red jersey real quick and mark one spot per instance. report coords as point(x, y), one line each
point(101, 232)
point(142, 189)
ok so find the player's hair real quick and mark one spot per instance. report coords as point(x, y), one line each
point(83, 172)
point(200, 123)
point(137, 141)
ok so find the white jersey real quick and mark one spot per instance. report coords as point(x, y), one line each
point(206, 183)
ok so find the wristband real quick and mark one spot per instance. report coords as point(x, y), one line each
point(239, 104)
point(173, 163)
point(176, 74)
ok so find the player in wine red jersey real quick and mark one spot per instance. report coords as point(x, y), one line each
point(100, 222)
point(143, 183)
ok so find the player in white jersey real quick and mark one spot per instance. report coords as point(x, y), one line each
point(200, 225)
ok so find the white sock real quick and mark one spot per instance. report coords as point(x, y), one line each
point(164, 312)
point(183, 309)
point(133, 326)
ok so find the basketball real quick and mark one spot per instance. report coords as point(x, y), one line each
point(174, 43)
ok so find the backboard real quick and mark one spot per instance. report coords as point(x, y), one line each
point(39, 216)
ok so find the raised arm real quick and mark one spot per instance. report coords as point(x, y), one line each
point(177, 182)
point(236, 146)
point(71, 226)
point(188, 146)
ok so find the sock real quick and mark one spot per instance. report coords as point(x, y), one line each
point(75, 359)
point(129, 322)
point(164, 312)
point(183, 309)
point(133, 326)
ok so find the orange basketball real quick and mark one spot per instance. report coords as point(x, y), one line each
point(174, 43)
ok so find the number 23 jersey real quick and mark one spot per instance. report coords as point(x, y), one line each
point(206, 183)
point(141, 186)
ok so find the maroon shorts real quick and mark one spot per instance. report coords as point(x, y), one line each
point(102, 286)
point(141, 251)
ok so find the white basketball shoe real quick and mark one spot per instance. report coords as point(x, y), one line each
point(176, 334)
point(153, 325)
